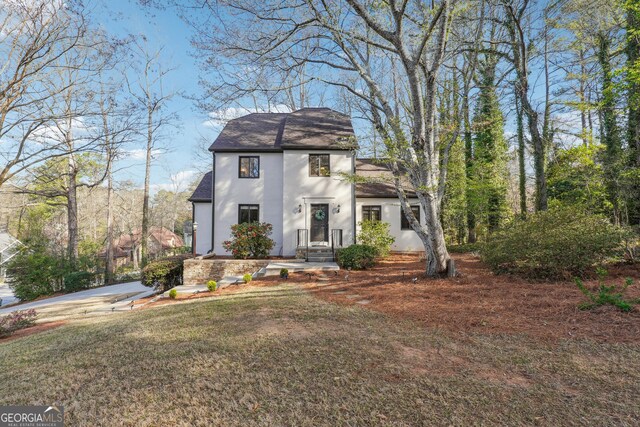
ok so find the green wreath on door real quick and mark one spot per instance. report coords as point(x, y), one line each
point(320, 215)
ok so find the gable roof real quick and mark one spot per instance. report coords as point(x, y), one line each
point(307, 128)
point(126, 242)
point(379, 180)
point(202, 193)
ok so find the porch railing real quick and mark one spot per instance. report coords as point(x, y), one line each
point(336, 240)
point(303, 241)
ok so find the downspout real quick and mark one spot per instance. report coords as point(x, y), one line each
point(353, 197)
point(193, 220)
point(213, 193)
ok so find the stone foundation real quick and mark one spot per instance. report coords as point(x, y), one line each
point(198, 271)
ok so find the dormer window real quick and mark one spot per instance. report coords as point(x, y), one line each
point(319, 165)
point(249, 167)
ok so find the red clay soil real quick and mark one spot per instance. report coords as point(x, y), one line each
point(479, 301)
point(39, 327)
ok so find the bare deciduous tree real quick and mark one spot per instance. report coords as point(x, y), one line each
point(151, 98)
point(34, 37)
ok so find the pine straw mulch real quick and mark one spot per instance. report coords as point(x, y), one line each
point(478, 301)
point(37, 328)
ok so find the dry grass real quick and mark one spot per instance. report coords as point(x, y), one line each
point(278, 356)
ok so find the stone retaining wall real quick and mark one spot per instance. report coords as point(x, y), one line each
point(198, 271)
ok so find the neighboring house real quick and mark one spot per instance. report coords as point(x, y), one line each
point(288, 169)
point(8, 248)
point(161, 242)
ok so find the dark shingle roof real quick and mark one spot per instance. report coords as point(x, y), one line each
point(379, 180)
point(311, 128)
point(202, 192)
point(318, 128)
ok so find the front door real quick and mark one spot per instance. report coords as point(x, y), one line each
point(320, 223)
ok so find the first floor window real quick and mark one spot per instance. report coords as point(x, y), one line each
point(319, 165)
point(371, 213)
point(404, 222)
point(249, 167)
point(248, 213)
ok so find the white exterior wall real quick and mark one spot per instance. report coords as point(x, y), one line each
point(202, 215)
point(279, 198)
point(302, 189)
point(406, 240)
point(231, 191)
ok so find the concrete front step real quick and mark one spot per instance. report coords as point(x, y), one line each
point(321, 258)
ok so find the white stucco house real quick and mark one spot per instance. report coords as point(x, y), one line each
point(288, 169)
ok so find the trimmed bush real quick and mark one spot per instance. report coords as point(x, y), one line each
point(173, 293)
point(284, 273)
point(377, 235)
point(250, 240)
point(78, 281)
point(247, 278)
point(17, 320)
point(165, 273)
point(557, 244)
point(357, 257)
point(212, 285)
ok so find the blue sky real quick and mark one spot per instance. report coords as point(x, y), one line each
point(162, 28)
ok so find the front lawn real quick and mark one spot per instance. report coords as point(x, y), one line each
point(276, 355)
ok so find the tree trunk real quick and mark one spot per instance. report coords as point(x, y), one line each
point(611, 136)
point(633, 134)
point(434, 242)
point(145, 203)
point(72, 210)
point(520, 62)
point(468, 159)
point(108, 269)
point(522, 174)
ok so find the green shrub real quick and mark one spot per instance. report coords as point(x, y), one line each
point(166, 273)
point(250, 240)
point(376, 234)
point(78, 280)
point(357, 257)
point(247, 278)
point(607, 295)
point(555, 244)
point(35, 272)
point(17, 320)
point(284, 273)
point(464, 248)
point(173, 293)
point(212, 285)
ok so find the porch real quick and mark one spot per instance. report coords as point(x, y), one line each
point(314, 251)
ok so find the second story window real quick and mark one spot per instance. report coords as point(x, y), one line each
point(249, 167)
point(319, 165)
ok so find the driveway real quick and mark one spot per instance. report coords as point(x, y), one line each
point(102, 300)
point(6, 295)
